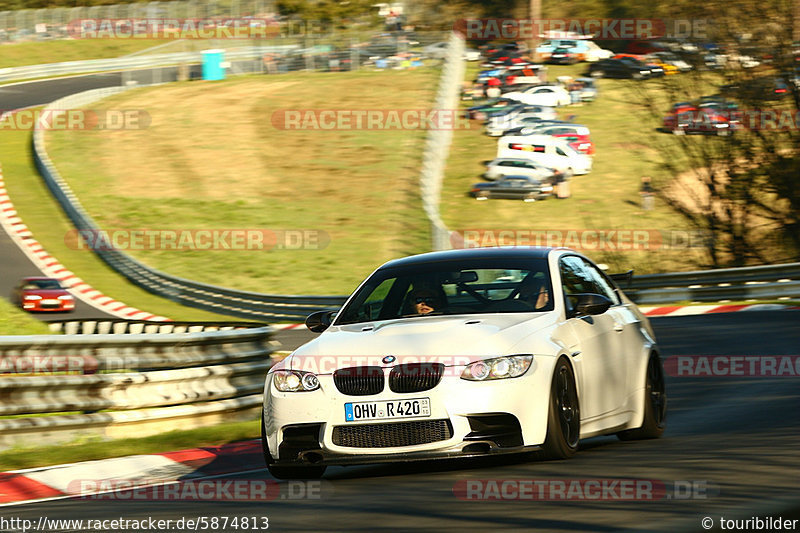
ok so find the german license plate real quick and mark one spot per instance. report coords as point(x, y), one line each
point(357, 411)
point(51, 302)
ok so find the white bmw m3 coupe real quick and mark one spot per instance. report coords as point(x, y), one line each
point(466, 353)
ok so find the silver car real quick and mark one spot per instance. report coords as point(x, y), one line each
point(506, 166)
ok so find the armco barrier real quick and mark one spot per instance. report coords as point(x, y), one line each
point(147, 383)
point(766, 282)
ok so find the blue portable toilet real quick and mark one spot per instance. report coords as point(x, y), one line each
point(213, 68)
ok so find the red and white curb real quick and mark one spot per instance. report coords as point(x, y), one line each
point(686, 310)
point(65, 481)
point(49, 265)
point(288, 326)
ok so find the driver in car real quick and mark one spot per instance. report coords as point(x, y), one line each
point(424, 301)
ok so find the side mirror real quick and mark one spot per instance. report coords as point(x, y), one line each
point(319, 321)
point(591, 304)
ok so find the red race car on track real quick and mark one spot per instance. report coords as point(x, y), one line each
point(43, 294)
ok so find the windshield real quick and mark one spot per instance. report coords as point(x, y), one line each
point(451, 288)
point(42, 284)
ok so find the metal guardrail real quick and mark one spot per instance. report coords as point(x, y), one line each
point(104, 326)
point(766, 282)
point(142, 380)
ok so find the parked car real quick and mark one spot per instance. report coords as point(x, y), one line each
point(40, 294)
point(672, 59)
point(507, 166)
point(563, 56)
point(543, 95)
point(481, 111)
point(577, 135)
point(531, 116)
point(465, 353)
point(620, 68)
point(706, 120)
point(584, 49)
point(546, 150)
point(512, 188)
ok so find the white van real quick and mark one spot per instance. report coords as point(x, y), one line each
point(549, 151)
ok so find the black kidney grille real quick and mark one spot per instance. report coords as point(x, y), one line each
point(392, 434)
point(359, 380)
point(415, 377)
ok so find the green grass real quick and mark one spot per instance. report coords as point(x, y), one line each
point(212, 159)
point(627, 148)
point(58, 51)
point(14, 321)
point(42, 214)
point(89, 450)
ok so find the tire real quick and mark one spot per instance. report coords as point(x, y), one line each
point(655, 405)
point(563, 415)
point(287, 471)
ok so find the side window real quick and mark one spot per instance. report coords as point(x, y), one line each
point(578, 276)
point(560, 152)
point(602, 284)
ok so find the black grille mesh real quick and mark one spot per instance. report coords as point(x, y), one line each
point(359, 380)
point(392, 434)
point(415, 377)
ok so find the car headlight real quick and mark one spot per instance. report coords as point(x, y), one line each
point(32, 297)
point(295, 381)
point(511, 366)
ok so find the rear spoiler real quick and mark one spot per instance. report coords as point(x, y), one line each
point(624, 279)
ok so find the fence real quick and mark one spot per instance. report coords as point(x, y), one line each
point(145, 383)
point(437, 146)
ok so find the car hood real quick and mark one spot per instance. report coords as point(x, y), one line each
point(45, 293)
point(452, 340)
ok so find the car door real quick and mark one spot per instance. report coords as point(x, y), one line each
point(597, 341)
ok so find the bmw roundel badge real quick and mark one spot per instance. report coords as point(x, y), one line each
point(389, 359)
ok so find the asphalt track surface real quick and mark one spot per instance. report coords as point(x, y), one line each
point(733, 440)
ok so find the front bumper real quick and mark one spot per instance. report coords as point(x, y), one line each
point(483, 418)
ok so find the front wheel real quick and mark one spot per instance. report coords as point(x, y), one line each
point(564, 416)
point(287, 471)
point(655, 405)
